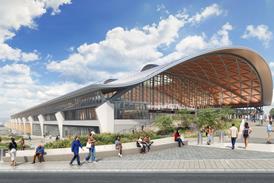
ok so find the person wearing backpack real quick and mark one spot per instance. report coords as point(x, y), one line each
point(246, 132)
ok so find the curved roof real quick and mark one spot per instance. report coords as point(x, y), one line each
point(258, 66)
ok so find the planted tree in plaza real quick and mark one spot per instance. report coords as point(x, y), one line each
point(216, 118)
point(164, 123)
point(271, 112)
point(185, 117)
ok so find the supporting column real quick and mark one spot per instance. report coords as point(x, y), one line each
point(17, 124)
point(105, 115)
point(31, 123)
point(24, 125)
point(41, 121)
point(20, 125)
point(60, 119)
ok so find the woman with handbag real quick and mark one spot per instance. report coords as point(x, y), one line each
point(13, 149)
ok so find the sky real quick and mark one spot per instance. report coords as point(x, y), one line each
point(52, 47)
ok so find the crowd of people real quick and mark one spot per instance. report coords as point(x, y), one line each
point(143, 143)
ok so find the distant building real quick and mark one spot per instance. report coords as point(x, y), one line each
point(237, 77)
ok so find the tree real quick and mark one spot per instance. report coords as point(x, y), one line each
point(216, 118)
point(271, 112)
point(185, 117)
point(164, 123)
point(207, 117)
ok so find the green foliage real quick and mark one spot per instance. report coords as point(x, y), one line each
point(164, 123)
point(216, 118)
point(185, 118)
point(271, 112)
point(102, 139)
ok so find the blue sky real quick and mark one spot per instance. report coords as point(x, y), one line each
point(51, 47)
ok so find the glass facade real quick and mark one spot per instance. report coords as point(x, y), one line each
point(81, 114)
point(130, 110)
point(78, 130)
point(50, 117)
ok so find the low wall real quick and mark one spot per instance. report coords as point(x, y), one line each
point(102, 151)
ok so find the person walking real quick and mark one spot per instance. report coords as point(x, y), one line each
point(13, 149)
point(91, 147)
point(269, 131)
point(22, 144)
point(210, 135)
point(246, 132)
point(76, 144)
point(234, 134)
point(118, 146)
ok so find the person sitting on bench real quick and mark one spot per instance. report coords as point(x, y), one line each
point(39, 153)
point(177, 138)
point(148, 142)
point(140, 143)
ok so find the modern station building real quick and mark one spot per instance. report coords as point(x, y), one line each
point(236, 77)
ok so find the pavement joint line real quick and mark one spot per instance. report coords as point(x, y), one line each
point(144, 171)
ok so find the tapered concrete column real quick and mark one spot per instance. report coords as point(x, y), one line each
point(17, 124)
point(30, 122)
point(20, 124)
point(60, 119)
point(105, 115)
point(24, 125)
point(12, 123)
point(41, 121)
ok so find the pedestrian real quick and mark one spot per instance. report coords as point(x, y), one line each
point(177, 138)
point(57, 138)
point(13, 149)
point(22, 144)
point(76, 144)
point(91, 147)
point(246, 132)
point(39, 152)
point(148, 142)
point(269, 131)
point(118, 146)
point(210, 135)
point(140, 143)
point(234, 134)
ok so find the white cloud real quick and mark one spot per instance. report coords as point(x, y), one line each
point(55, 5)
point(162, 8)
point(212, 10)
point(122, 50)
point(20, 91)
point(193, 44)
point(261, 32)
point(22, 13)
point(127, 50)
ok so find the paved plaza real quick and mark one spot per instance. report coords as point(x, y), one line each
point(185, 159)
point(218, 157)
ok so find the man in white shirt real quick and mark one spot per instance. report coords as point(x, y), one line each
point(234, 134)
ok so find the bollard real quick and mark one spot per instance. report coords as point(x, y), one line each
point(1, 155)
point(221, 137)
point(200, 138)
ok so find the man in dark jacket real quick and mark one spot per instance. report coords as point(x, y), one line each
point(76, 144)
point(39, 153)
